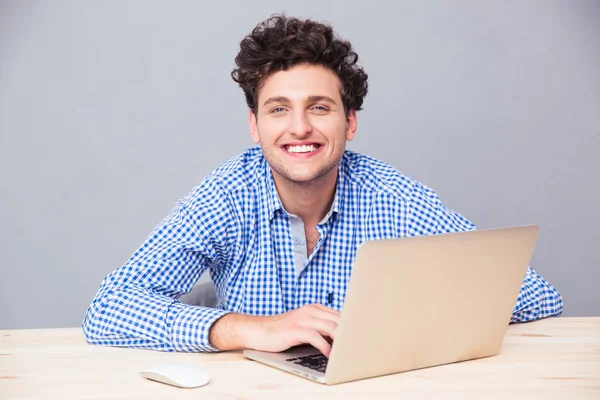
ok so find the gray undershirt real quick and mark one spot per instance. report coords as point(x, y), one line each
point(299, 239)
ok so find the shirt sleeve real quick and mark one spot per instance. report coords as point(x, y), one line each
point(537, 298)
point(137, 305)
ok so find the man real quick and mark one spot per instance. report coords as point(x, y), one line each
point(278, 227)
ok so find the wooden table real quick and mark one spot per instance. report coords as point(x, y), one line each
point(553, 358)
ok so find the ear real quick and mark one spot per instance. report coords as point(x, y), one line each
point(351, 125)
point(253, 127)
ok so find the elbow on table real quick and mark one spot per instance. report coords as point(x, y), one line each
point(101, 322)
point(558, 301)
point(550, 305)
point(105, 323)
point(92, 330)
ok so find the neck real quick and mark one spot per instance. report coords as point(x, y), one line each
point(308, 200)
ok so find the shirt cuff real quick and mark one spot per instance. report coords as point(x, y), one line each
point(192, 325)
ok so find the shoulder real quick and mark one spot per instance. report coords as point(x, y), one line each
point(241, 170)
point(426, 212)
point(235, 174)
point(377, 176)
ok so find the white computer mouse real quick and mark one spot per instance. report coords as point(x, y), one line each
point(177, 375)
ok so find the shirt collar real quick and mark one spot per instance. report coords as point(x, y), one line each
point(274, 203)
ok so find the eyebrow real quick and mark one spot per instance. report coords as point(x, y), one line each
point(285, 100)
point(326, 99)
point(276, 99)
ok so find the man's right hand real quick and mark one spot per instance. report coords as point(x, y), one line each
point(310, 324)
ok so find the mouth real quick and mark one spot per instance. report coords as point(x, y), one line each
point(302, 150)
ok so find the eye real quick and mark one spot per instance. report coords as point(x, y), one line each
point(320, 108)
point(277, 110)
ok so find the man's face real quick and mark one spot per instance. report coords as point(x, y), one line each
point(301, 124)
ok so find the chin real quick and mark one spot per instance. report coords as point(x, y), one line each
point(301, 174)
point(301, 178)
point(304, 177)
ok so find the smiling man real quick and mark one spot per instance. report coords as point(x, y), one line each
point(278, 226)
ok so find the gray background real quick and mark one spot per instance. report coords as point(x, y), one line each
point(112, 110)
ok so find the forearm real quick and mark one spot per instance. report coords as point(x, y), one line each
point(137, 306)
point(233, 331)
point(139, 318)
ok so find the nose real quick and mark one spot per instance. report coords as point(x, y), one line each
point(299, 124)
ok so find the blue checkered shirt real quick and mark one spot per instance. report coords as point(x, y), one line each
point(233, 224)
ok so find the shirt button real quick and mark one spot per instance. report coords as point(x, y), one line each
point(296, 241)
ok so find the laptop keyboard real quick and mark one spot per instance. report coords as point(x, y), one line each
point(318, 361)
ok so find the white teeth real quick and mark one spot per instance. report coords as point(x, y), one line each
point(301, 149)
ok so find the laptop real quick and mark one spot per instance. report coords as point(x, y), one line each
point(419, 302)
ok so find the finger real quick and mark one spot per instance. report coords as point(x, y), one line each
point(317, 341)
point(323, 326)
point(326, 314)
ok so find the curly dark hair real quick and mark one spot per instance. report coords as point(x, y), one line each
point(282, 42)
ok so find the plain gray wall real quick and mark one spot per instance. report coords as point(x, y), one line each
point(112, 110)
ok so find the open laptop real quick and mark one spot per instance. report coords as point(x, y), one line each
point(419, 302)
